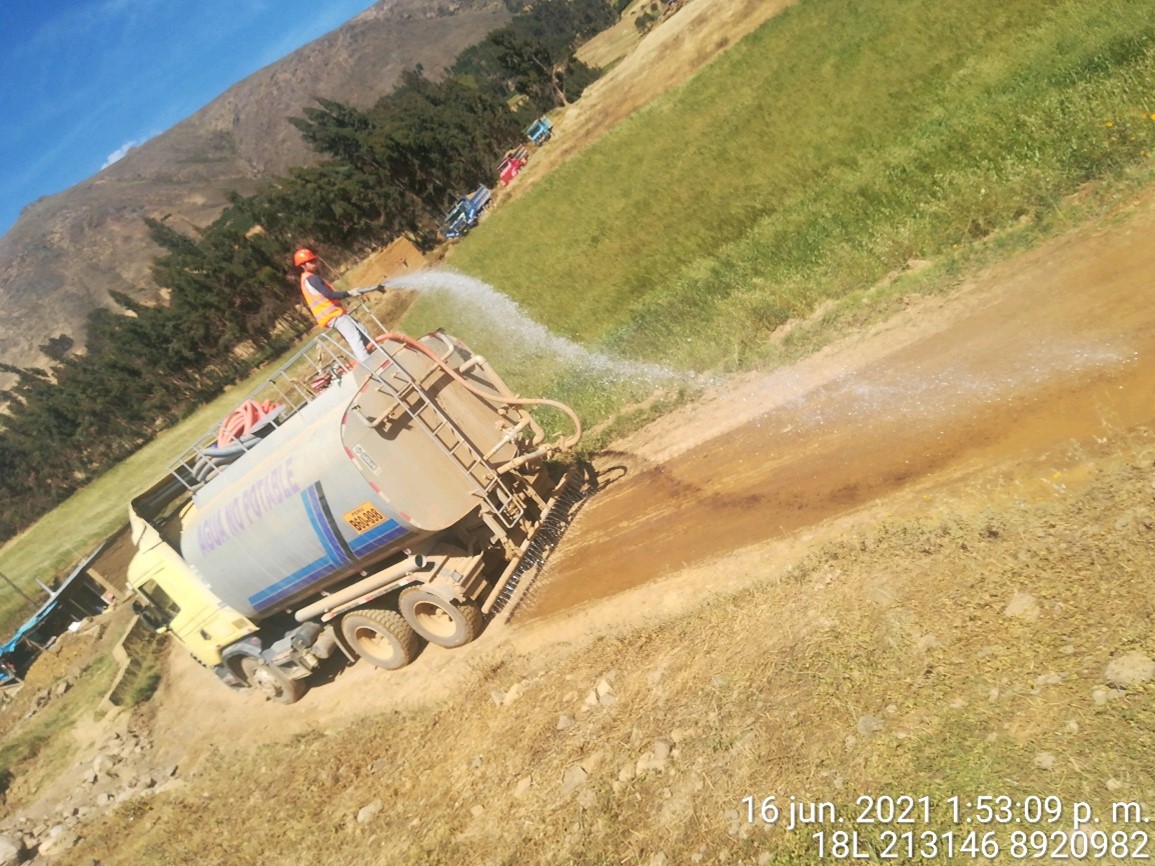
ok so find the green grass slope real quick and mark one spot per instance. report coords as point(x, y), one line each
point(819, 155)
point(822, 153)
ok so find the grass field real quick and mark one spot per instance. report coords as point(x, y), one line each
point(823, 153)
point(813, 161)
point(828, 150)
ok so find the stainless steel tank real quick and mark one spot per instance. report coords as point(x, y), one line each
point(390, 453)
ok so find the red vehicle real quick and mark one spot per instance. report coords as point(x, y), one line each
point(513, 162)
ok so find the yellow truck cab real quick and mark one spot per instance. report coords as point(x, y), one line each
point(171, 598)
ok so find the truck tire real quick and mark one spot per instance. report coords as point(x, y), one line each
point(271, 681)
point(381, 637)
point(440, 622)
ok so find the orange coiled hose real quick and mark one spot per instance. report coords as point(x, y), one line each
point(240, 422)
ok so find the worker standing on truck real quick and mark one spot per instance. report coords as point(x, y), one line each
point(323, 302)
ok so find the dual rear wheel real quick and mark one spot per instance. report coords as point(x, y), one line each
point(382, 637)
point(391, 640)
point(442, 623)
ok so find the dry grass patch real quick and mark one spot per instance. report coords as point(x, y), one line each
point(887, 662)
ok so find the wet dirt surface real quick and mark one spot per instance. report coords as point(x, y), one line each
point(1060, 349)
point(1052, 346)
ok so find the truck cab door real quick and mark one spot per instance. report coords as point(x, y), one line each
point(180, 602)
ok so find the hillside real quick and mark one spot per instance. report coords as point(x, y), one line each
point(67, 251)
point(843, 581)
point(886, 599)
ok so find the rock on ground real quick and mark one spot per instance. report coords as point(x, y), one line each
point(1130, 670)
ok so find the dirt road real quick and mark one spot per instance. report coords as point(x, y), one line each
point(1050, 348)
point(1016, 371)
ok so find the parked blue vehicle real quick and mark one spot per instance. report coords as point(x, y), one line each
point(465, 213)
point(540, 131)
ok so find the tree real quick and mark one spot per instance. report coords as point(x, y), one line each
point(387, 170)
point(339, 131)
point(57, 347)
point(533, 55)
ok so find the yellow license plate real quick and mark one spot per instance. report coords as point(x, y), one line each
point(364, 517)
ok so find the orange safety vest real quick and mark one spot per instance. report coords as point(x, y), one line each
point(323, 310)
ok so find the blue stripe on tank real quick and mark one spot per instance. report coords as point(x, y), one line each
point(334, 545)
point(376, 537)
point(337, 551)
point(335, 556)
point(302, 577)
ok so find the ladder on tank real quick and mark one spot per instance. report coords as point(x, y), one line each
point(413, 399)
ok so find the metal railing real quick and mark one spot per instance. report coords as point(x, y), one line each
point(413, 400)
point(295, 383)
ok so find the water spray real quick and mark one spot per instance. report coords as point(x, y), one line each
point(493, 311)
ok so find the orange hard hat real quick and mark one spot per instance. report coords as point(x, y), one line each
point(304, 254)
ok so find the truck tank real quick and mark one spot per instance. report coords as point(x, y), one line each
point(391, 452)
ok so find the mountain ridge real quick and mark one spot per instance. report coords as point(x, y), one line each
point(68, 251)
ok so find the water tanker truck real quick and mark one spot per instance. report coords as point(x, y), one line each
point(356, 508)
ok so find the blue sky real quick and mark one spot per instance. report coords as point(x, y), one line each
point(82, 81)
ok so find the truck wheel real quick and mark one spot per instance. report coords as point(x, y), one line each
point(439, 621)
point(271, 681)
point(381, 637)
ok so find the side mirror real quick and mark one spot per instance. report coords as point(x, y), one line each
point(149, 616)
